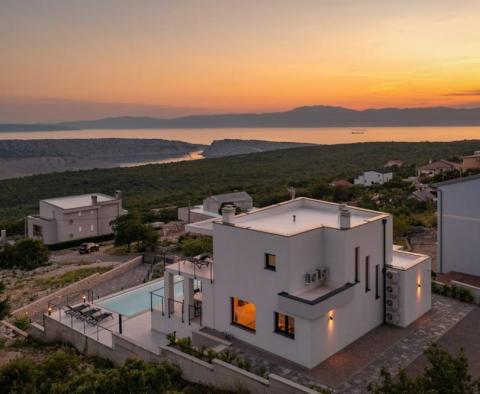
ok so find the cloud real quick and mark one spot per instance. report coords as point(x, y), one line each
point(464, 93)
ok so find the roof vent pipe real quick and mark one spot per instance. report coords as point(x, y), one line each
point(118, 195)
point(94, 199)
point(228, 214)
point(344, 217)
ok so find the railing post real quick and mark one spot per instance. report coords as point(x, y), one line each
point(163, 301)
point(120, 325)
point(84, 327)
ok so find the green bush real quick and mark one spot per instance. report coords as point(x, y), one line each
point(195, 245)
point(25, 254)
point(23, 323)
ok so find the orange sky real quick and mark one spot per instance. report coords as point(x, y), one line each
point(242, 56)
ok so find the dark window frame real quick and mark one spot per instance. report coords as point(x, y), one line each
point(377, 275)
point(367, 274)
point(232, 317)
point(357, 263)
point(270, 267)
point(284, 332)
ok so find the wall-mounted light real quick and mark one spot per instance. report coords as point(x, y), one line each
point(84, 298)
point(49, 311)
point(331, 314)
point(331, 317)
point(419, 285)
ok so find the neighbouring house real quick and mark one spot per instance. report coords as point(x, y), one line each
point(394, 163)
point(74, 217)
point(210, 209)
point(459, 225)
point(369, 178)
point(425, 194)
point(300, 279)
point(472, 161)
point(437, 167)
point(341, 184)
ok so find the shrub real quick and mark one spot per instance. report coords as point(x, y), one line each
point(23, 323)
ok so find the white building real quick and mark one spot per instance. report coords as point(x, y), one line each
point(211, 207)
point(301, 279)
point(459, 225)
point(369, 178)
point(74, 217)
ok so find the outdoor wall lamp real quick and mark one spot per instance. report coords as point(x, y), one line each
point(84, 298)
point(49, 311)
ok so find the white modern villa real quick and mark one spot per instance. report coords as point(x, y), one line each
point(297, 281)
point(301, 279)
point(70, 218)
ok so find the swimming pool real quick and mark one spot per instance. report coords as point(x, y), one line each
point(134, 301)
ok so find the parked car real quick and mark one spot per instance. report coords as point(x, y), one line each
point(88, 247)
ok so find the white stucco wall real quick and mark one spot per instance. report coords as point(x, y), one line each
point(459, 227)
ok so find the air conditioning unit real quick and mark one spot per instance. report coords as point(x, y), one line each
point(392, 291)
point(311, 277)
point(392, 304)
point(392, 317)
point(322, 274)
point(392, 276)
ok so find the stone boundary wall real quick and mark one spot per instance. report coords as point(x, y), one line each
point(41, 305)
point(218, 373)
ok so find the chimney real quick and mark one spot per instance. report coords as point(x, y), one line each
point(228, 214)
point(94, 199)
point(3, 235)
point(118, 195)
point(344, 217)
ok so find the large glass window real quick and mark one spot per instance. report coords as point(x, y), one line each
point(284, 325)
point(270, 261)
point(244, 314)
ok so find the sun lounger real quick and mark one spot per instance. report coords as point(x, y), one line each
point(97, 319)
point(73, 310)
point(88, 314)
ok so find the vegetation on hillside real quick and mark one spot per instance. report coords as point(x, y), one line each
point(66, 372)
point(25, 254)
point(265, 176)
point(129, 228)
point(445, 374)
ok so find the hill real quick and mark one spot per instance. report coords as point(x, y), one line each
point(311, 116)
point(264, 175)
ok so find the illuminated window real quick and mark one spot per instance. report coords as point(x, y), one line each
point(284, 325)
point(270, 261)
point(244, 314)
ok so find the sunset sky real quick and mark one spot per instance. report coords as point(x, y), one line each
point(82, 59)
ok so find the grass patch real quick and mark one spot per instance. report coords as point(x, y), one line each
point(70, 277)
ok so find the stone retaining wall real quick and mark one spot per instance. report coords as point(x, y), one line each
point(218, 373)
point(57, 297)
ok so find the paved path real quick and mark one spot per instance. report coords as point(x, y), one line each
point(446, 313)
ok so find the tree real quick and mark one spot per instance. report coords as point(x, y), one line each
point(24, 254)
point(4, 304)
point(192, 246)
point(127, 229)
point(445, 374)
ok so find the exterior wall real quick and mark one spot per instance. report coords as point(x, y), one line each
point(67, 225)
point(194, 216)
point(49, 229)
point(471, 162)
point(459, 227)
point(414, 300)
point(239, 272)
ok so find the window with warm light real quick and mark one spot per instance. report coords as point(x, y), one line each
point(270, 261)
point(285, 325)
point(244, 314)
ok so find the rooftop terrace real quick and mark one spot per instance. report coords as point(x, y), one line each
point(300, 215)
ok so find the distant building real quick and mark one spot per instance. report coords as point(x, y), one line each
point(3, 237)
point(426, 194)
point(211, 207)
point(341, 184)
point(437, 167)
point(472, 161)
point(369, 178)
point(75, 217)
point(394, 163)
point(459, 225)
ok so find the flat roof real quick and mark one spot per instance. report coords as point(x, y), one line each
point(457, 180)
point(79, 201)
point(300, 215)
point(404, 260)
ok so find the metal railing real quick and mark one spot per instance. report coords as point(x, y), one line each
point(153, 296)
point(171, 308)
point(194, 312)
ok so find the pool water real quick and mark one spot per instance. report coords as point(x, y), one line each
point(137, 300)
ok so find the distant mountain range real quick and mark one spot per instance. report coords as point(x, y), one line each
point(312, 116)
